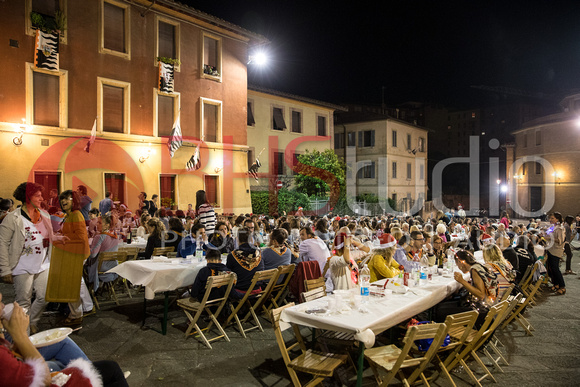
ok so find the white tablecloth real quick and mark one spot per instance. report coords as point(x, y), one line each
point(159, 276)
point(140, 243)
point(383, 313)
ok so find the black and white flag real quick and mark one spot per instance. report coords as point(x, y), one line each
point(194, 162)
point(46, 50)
point(166, 72)
point(175, 139)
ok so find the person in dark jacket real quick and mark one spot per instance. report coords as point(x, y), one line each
point(214, 267)
point(174, 235)
point(245, 261)
point(156, 230)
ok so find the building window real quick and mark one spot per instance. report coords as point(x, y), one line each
point(394, 196)
point(48, 10)
point(525, 140)
point(278, 167)
point(394, 138)
point(278, 122)
point(409, 142)
point(421, 144)
point(115, 29)
point(166, 108)
point(366, 138)
point(538, 138)
point(394, 170)
point(168, 39)
point(49, 180)
point(167, 189)
point(296, 121)
point(524, 169)
point(212, 190)
point(115, 184)
point(211, 118)
point(351, 139)
point(338, 140)
point(251, 120)
point(368, 171)
point(113, 99)
point(321, 125)
point(538, 168)
point(421, 172)
point(211, 57)
point(408, 171)
point(47, 97)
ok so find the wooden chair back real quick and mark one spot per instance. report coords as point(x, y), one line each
point(520, 307)
point(313, 294)
point(132, 252)
point(311, 284)
point(526, 281)
point(163, 250)
point(119, 256)
point(507, 293)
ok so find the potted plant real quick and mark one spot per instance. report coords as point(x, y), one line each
point(170, 61)
point(49, 24)
point(210, 70)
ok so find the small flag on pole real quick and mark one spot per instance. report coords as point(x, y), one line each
point(175, 139)
point(194, 162)
point(253, 171)
point(93, 136)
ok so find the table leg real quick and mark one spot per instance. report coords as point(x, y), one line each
point(360, 363)
point(165, 311)
point(144, 311)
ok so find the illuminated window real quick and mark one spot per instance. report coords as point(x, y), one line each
point(167, 188)
point(115, 184)
point(115, 37)
point(212, 190)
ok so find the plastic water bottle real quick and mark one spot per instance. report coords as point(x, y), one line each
point(199, 249)
point(365, 281)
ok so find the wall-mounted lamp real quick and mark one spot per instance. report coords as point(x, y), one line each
point(17, 140)
point(557, 176)
point(218, 169)
point(146, 153)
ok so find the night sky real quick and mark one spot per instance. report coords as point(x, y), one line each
point(430, 51)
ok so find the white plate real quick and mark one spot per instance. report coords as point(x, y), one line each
point(49, 337)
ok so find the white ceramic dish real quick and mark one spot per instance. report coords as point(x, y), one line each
point(49, 337)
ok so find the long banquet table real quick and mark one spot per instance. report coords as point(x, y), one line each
point(375, 315)
point(159, 277)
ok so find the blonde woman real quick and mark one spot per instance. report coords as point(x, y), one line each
point(497, 264)
point(441, 230)
point(382, 264)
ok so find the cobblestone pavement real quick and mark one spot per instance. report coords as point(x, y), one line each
point(549, 358)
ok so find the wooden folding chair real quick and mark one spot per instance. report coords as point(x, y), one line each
point(258, 299)
point(279, 290)
point(494, 341)
point(393, 360)
point(163, 250)
point(507, 293)
point(517, 313)
point(492, 321)
point(109, 286)
point(459, 328)
point(310, 284)
point(320, 365)
point(194, 309)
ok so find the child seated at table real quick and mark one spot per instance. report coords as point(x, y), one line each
point(214, 267)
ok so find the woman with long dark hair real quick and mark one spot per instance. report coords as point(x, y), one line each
point(204, 212)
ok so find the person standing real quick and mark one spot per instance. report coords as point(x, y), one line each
point(25, 241)
point(74, 229)
point(204, 212)
point(555, 251)
point(153, 206)
point(568, 221)
point(106, 204)
point(85, 202)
